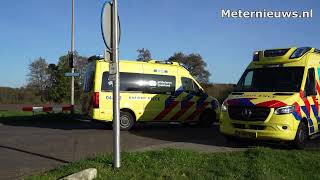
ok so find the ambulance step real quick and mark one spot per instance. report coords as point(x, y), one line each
point(315, 136)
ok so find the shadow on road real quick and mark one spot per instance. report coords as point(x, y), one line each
point(178, 133)
point(34, 154)
point(161, 131)
point(51, 121)
point(207, 136)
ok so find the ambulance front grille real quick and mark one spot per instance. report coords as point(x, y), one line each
point(242, 113)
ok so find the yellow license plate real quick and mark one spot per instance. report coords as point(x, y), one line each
point(246, 134)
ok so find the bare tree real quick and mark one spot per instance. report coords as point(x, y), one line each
point(144, 55)
point(80, 66)
point(194, 64)
point(37, 77)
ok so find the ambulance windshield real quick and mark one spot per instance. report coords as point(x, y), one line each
point(276, 79)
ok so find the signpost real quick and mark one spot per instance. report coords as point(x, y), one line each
point(72, 60)
point(70, 74)
point(111, 33)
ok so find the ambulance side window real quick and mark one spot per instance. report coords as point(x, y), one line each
point(146, 83)
point(159, 84)
point(310, 87)
point(106, 85)
point(128, 82)
point(196, 88)
point(88, 81)
point(248, 79)
point(187, 85)
point(131, 81)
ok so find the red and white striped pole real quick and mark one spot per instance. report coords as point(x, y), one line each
point(47, 109)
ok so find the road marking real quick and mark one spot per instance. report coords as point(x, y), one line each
point(83, 120)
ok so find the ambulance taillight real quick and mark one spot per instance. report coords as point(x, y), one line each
point(95, 101)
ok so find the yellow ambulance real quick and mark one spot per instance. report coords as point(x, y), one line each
point(151, 91)
point(276, 98)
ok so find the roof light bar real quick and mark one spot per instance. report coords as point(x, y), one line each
point(95, 57)
point(275, 52)
point(256, 55)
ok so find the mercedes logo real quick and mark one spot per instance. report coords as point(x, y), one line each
point(246, 113)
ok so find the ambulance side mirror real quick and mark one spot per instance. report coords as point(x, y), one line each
point(309, 92)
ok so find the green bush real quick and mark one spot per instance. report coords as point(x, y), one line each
point(219, 91)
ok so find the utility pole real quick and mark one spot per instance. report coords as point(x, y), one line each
point(116, 85)
point(72, 56)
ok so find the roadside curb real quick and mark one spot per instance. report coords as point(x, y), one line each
point(189, 146)
point(87, 174)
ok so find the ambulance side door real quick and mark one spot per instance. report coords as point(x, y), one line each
point(191, 95)
point(311, 99)
point(159, 99)
point(131, 96)
point(318, 95)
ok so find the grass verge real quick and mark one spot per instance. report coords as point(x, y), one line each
point(4, 114)
point(256, 163)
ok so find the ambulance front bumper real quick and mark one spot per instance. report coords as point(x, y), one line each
point(275, 127)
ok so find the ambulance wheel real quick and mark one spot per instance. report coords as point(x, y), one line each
point(207, 118)
point(301, 136)
point(126, 121)
point(230, 139)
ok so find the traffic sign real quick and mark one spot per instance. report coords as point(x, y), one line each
point(72, 74)
point(106, 24)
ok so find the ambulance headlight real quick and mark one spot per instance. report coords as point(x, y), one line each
point(224, 106)
point(284, 110)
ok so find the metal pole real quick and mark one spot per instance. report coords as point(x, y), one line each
point(72, 51)
point(116, 99)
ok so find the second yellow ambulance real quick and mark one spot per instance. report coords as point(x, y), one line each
point(276, 98)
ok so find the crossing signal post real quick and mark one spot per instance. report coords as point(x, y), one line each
point(71, 59)
point(71, 65)
point(111, 33)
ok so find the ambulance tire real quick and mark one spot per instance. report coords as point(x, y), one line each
point(301, 136)
point(207, 118)
point(126, 121)
point(230, 139)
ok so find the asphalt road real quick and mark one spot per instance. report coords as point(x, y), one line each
point(32, 147)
